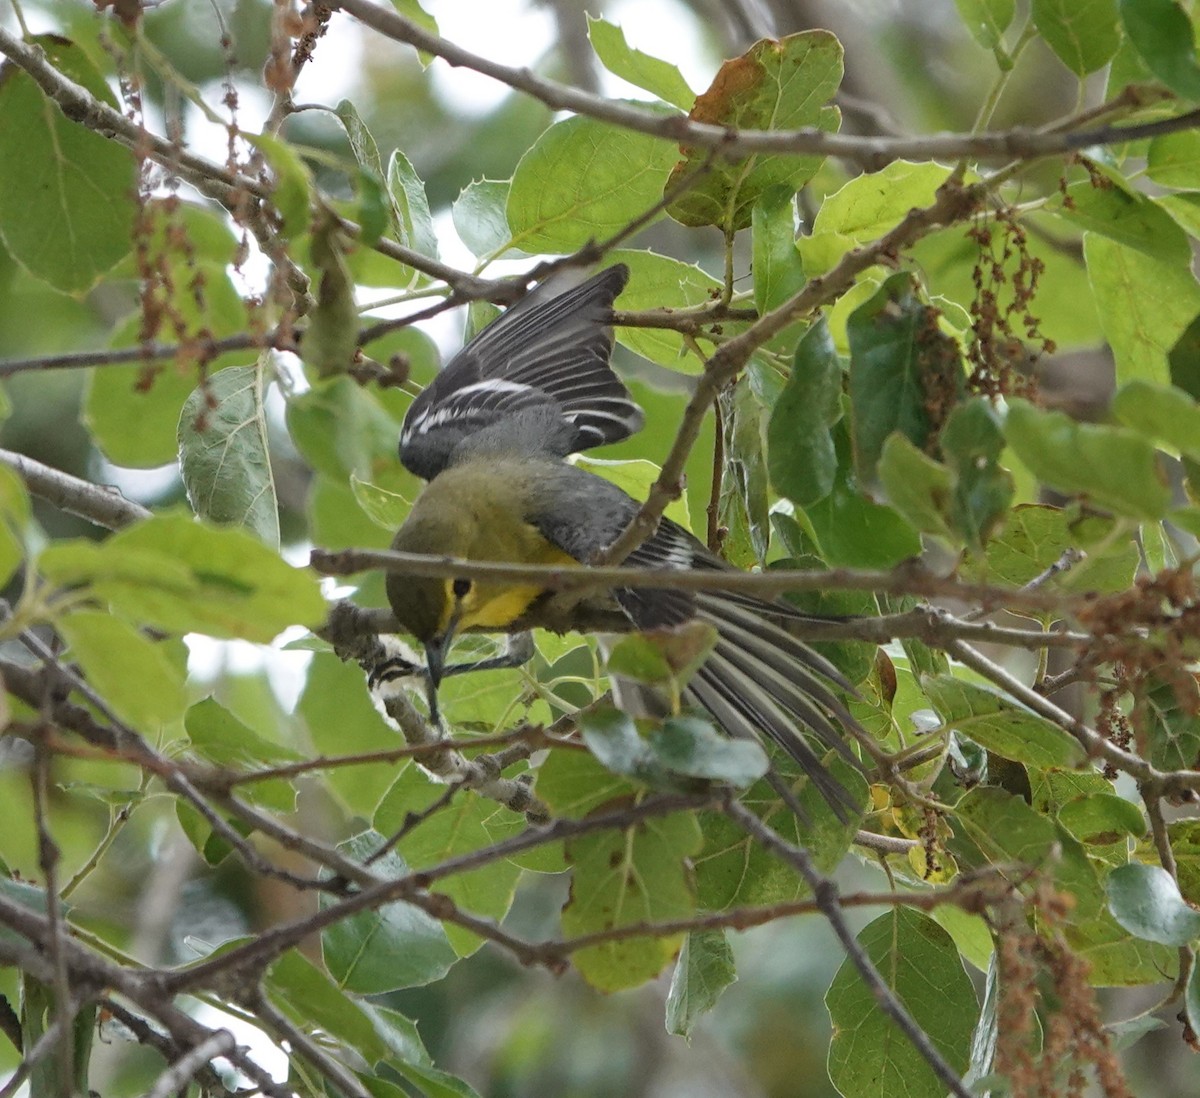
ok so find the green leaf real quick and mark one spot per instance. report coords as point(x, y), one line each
point(480, 218)
point(66, 192)
point(134, 675)
point(659, 282)
point(584, 180)
point(387, 509)
point(902, 368)
point(1145, 305)
point(743, 507)
point(734, 869)
point(854, 531)
point(775, 85)
point(778, 268)
point(987, 20)
point(1173, 160)
point(801, 455)
point(999, 829)
point(133, 413)
point(703, 971)
point(1162, 34)
point(920, 964)
point(644, 71)
point(1101, 818)
point(291, 184)
point(917, 486)
point(991, 720)
point(1114, 958)
point(693, 748)
point(1113, 466)
point(867, 207)
point(220, 738)
point(1128, 218)
point(331, 338)
point(411, 204)
point(392, 947)
point(467, 824)
point(177, 574)
point(224, 454)
point(1083, 33)
point(575, 784)
point(377, 211)
point(1160, 412)
point(340, 718)
point(1034, 538)
point(636, 476)
point(626, 876)
point(14, 517)
point(1145, 900)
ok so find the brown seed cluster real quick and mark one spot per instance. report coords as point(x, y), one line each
point(1150, 635)
point(1042, 979)
point(1007, 332)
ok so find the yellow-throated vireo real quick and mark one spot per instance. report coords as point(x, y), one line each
point(490, 435)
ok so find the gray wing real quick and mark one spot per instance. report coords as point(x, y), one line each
point(544, 362)
point(760, 680)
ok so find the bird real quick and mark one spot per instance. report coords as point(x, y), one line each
point(491, 435)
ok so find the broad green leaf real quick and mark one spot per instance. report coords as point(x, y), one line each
point(1173, 728)
point(1162, 34)
point(917, 486)
point(377, 211)
point(583, 180)
point(467, 824)
point(1083, 33)
point(1034, 538)
point(480, 219)
point(224, 454)
point(775, 85)
point(1174, 160)
point(290, 185)
point(1160, 412)
point(991, 720)
point(1145, 305)
point(734, 869)
point(972, 443)
point(576, 783)
point(133, 411)
point(853, 530)
point(903, 370)
point(414, 220)
point(1013, 839)
point(643, 70)
point(341, 720)
point(387, 509)
point(341, 429)
point(1113, 466)
point(778, 268)
point(133, 674)
point(632, 875)
point(801, 456)
point(1145, 900)
point(1126, 217)
point(987, 20)
point(919, 963)
point(703, 970)
point(66, 192)
point(1102, 818)
point(331, 338)
point(1117, 959)
point(660, 282)
point(174, 573)
point(394, 946)
point(867, 207)
point(220, 738)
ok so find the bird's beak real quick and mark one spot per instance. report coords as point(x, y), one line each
point(436, 651)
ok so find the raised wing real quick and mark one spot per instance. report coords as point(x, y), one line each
point(536, 379)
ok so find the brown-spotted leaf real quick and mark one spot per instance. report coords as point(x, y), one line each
point(775, 85)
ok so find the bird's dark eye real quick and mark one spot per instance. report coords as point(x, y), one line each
point(461, 588)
